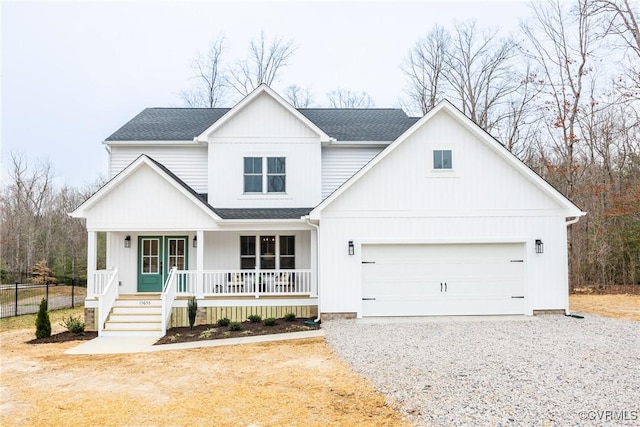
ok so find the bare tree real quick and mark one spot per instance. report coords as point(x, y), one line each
point(480, 72)
point(346, 98)
point(210, 89)
point(25, 202)
point(620, 20)
point(266, 59)
point(561, 48)
point(425, 68)
point(298, 97)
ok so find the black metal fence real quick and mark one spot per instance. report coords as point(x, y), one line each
point(20, 298)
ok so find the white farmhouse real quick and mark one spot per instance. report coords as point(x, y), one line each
point(267, 209)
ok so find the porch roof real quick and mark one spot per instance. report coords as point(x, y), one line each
point(262, 213)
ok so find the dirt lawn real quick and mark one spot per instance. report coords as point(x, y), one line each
point(619, 306)
point(287, 383)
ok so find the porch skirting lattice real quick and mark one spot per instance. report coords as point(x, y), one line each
point(210, 315)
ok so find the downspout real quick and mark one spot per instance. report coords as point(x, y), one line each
point(306, 217)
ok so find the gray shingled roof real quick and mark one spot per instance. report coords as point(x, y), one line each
point(184, 124)
point(346, 124)
point(268, 213)
point(168, 124)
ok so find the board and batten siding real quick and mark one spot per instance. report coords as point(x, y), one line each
point(545, 274)
point(188, 162)
point(341, 163)
point(264, 128)
point(222, 248)
point(483, 199)
point(148, 201)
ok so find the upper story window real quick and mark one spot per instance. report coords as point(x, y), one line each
point(264, 175)
point(442, 159)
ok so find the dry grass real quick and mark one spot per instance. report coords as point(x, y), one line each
point(28, 321)
point(286, 383)
point(618, 306)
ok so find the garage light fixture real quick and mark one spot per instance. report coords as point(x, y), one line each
point(195, 241)
point(127, 242)
point(539, 246)
point(352, 250)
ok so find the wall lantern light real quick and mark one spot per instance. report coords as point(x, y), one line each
point(351, 248)
point(539, 246)
point(127, 242)
point(195, 241)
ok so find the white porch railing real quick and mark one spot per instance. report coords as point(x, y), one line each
point(167, 297)
point(107, 295)
point(100, 281)
point(245, 282)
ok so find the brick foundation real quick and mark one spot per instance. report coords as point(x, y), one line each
point(336, 316)
point(90, 319)
point(557, 311)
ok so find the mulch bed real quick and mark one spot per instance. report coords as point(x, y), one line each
point(64, 337)
point(213, 332)
point(198, 333)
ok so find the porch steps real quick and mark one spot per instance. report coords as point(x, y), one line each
point(135, 315)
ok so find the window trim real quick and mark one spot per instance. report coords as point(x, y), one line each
point(265, 174)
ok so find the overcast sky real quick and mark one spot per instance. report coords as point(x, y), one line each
point(74, 72)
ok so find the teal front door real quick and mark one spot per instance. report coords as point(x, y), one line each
point(150, 265)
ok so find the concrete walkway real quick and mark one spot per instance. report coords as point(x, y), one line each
point(123, 345)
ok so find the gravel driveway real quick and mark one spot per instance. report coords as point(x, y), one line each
point(547, 370)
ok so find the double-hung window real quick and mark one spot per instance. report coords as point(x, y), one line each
point(265, 175)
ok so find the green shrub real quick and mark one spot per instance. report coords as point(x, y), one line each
point(192, 308)
point(235, 326)
point(269, 321)
point(73, 325)
point(224, 322)
point(290, 317)
point(255, 318)
point(43, 323)
point(207, 333)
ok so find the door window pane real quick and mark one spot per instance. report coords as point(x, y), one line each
point(177, 253)
point(150, 256)
point(268, 252)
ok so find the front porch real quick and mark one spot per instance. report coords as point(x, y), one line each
point(234, 294)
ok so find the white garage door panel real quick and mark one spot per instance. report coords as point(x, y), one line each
point(417, 280)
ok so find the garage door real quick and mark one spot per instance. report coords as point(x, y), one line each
point(461, 279)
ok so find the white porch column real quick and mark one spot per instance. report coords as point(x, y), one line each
point(314, 261)
point(200, 261)
point(92, 257)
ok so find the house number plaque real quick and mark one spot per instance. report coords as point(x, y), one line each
point(145, 302)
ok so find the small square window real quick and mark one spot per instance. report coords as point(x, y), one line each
point(442, 159)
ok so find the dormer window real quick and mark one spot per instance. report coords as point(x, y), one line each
point(442, 159)
point(265, 175)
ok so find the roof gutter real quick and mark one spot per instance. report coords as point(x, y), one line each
point(574, 219)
